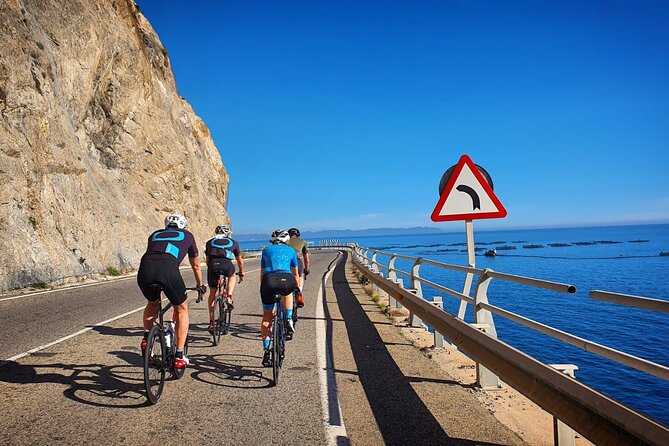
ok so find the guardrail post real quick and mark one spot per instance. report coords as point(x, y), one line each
point(438, 302)
point(392, 276)
point(365, 260)
point(563, 435)
point(483, 318)
point(375, 269)
point(414, 320)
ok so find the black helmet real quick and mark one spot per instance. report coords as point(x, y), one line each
point(294, 232)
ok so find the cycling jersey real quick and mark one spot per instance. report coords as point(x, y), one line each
point(278, 258)
point(159, 266)
point(222, 247)
point(299, 245)
point(171, 243)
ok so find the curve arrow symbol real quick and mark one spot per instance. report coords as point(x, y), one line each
point(476, 201)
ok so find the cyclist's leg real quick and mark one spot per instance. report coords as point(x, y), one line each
point(229, 271)
point(267, 298)
point(150, 314)
point(175, 290)
point(182, 324)
point(300, 272)
point(212, 281)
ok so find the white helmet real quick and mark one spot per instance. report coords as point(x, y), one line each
point(176, 220)
point(280, 235)
point(224, 230)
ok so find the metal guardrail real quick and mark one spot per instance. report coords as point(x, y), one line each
point(595, 416)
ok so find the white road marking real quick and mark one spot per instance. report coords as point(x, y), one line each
point(332, 417)
point(70, 336)
point(82, 331)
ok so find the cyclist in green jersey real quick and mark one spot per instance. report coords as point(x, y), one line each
point(302, 250)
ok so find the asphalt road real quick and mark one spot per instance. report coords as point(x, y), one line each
point(89, 388)
point(71, 373)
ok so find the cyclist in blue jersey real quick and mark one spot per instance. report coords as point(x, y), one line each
point(278, 273)
point(159, 270)
point(220, 251)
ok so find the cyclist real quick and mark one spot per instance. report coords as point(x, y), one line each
point(300, 246)
point(278, 273)
point(159, 270)
point(220, 251)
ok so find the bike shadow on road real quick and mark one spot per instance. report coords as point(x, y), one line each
point(99, 385)
point(200, 336)
point(402, 417)
point(229, 370)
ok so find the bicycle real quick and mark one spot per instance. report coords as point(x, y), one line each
point(278, 341)
point(159, 357)
point(222, 310)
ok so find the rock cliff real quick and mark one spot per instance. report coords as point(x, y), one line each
point(96, 145)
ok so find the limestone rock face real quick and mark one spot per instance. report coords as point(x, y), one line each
point(96, 145)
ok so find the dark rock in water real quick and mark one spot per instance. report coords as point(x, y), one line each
point(532, 246)
point(478, 249)
point(607, 242)
point(519, 241)
point(639, 241)
point(490, 253)
point(457, 244)
point(505, 247)
point(583, 243)
point(558, 245)
point(664, 254)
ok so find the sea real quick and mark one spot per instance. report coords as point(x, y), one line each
point(621, 259)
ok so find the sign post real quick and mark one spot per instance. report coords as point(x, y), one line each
point(466, 193)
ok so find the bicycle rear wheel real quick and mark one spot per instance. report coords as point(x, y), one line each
point(178, 373)
point(217, 320)
point(276, 353)
point(154, 364)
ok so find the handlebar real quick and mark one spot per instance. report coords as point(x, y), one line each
point(200, 292)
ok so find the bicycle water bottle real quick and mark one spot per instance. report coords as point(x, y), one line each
point(169, 334)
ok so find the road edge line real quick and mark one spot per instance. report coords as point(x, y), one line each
point(327, 379)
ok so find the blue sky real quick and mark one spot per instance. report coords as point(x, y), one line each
point(345, 114)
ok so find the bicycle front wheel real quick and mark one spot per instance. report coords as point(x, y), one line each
point(154, 364)
point(276, 349)
point(217, 320)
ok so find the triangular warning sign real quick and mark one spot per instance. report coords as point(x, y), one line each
point(467, 196)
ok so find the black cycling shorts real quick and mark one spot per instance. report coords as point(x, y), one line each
point(300, 267)
point(156, 275)
point(216, 267)
point(282, 283)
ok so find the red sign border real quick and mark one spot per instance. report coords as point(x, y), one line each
point(466, 160)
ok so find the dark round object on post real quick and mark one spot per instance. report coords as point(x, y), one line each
point(447, 176)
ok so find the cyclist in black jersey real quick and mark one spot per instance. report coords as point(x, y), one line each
point(159, 271)
point(220, 251)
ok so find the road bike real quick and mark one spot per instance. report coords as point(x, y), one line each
point(222, 309)
point(160, 353)
point(278, 341)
